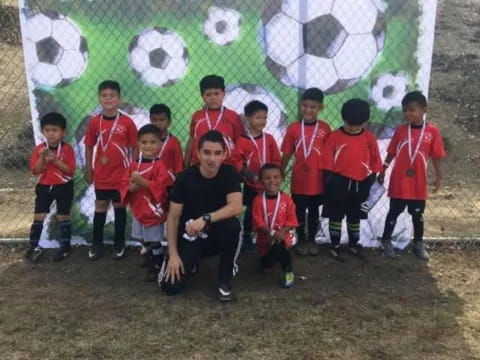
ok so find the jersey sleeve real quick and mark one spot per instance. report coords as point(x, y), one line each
point(328, 131)
point(233, 182)
point(375, 158)
point(34, 159)
point(238, 127)
point(288, 144)
point(177, 156)
point(393, 145)
point(291, 215)
point(193, 124)
point(178, 192)
point(159, 183)
point(91, 133)
point(239, 156)
point(328, 153)
point(437, 149)
point(70, 159)
point(125, 184)
point(274, 151)
point(258, 220)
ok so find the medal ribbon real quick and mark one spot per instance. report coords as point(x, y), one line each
point(262, 157)
point(219, 118)
point(308, 151)
point(419, 142)
point(110, 135)
point(140, 162)
point(275, 211)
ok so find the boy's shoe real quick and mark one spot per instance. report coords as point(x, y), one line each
point(118, 254)
point(62, 252)
point(225, 293)
point(34, 253)
point(95, 252)
point(356, 250)
point(419, 250)
point(335, 254)
point(313, 248)
point(287, 279)
point(301, 248)
point(387, 248)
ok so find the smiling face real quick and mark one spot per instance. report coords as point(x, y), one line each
point(109, 100)
point(271, 179)
point(309, 109)
point(257, 122)
point(211, 156)
point(149, 145)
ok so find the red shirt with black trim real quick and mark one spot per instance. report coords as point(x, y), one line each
point(172, 156)
point(229, 125)
point(247, 154)
point(118, 152)
point(52, 175)
point(355, 156)
point(286, 217)
point(307, 177)
point(149, 205)
point(413, 187)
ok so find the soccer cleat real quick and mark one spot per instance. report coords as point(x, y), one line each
point(95, 252)
point(356, 250)
point(62, 252)
point(387, 248)
point(225, 293)
point(419, 250)
point(287, 279)
point(34, 253)
point(118, 254)
point(336, 254)
point(301, 248)
point(313, 248)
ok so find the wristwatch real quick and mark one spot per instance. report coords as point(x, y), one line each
point(207, 218)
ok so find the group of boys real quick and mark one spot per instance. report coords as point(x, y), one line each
point(331, 168)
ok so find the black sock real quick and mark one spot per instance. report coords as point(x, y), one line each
point(35, 232)
point(353, 229)
point(390, 223)
point(99, 219)
point(157, 254)
point(120, 224)
point(335, 228)
point(65, 232)
point(417, 228)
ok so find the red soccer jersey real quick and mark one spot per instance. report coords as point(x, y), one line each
point(52, 175)
point(254, 155)
point(355, 156)
point(171, 155)
point(413, 187)
point(118, 151)
point(307, 176)
point(149, 205)
point(286, 217)
point(229, 125)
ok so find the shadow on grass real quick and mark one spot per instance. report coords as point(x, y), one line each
point(377, 309)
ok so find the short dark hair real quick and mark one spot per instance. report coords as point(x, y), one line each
point(253, 106)
point(161, 109)
point(55, 119)
point(149, 129)
point(356, 112)
point(414, 97)
point(212, 82)
point(109, 84)
point(314, 94)
point(268, 166)
point(212, 136)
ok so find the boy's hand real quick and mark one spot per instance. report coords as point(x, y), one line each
point(88, 176)
point(136, 178)
point(278, 237)
point(44, 152)
point(437, 184)
point(381, 177)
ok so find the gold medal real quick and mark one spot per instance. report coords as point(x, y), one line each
point(104, 159)
point(410, 172)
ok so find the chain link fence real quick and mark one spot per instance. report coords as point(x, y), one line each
point(266, 50)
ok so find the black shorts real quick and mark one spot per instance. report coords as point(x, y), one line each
point(110, 194)
point(46, 194)
point(397, 206)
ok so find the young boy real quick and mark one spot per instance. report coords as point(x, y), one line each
point(411, 146)
point(252, 151)
point(114, 136)
point(305, 139)
point(351, 160)
point(214, 116)
point(144, 188)
point(54, 162)
point(170, 149)
point(274, 219)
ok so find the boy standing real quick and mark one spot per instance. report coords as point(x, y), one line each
point(54, 162)
point(305, 139)
point(170, 151)
point(215, 116)
point(274, 219)
point(351, 160)
point(411, 146)
point(252, 151)
point(114, 136)
point(144, 187)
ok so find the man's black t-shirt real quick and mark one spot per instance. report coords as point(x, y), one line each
point(200, 195)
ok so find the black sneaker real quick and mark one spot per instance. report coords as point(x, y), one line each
point(225, 293)
point(418, 249)
point(335, 254)
point(34, 253)
point(62, 252)
point(95, 252)
point(387, 248)
point(301, 248)
point(356, 250)
point(118, 254)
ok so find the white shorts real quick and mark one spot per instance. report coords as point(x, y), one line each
point(155, 233)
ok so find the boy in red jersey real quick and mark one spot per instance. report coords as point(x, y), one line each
point(305, 139)
point(411, 146)
point(170, 149)
point(252, 151)
point(274, 218)
point(214, 116)
point(54, 163)
point(114, 136)
point(144, 188)
point(351, 161)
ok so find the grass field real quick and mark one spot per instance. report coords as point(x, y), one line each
point(380, 309)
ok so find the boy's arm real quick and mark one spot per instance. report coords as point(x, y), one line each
point(88, 164)
point(188, 152)
point(438, 175)
point(39, 163)
point(284, 163)
point(386, 164)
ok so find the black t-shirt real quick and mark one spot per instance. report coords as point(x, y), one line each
point(200, 195)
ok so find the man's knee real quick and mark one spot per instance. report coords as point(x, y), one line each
point(230, 226)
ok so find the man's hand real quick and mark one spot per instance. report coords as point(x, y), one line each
point(174, 269)
point(437, 184)
point(381, 177)
point(195, 226)
point(88, 176)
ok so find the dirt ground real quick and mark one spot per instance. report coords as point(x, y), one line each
point(379, 309)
